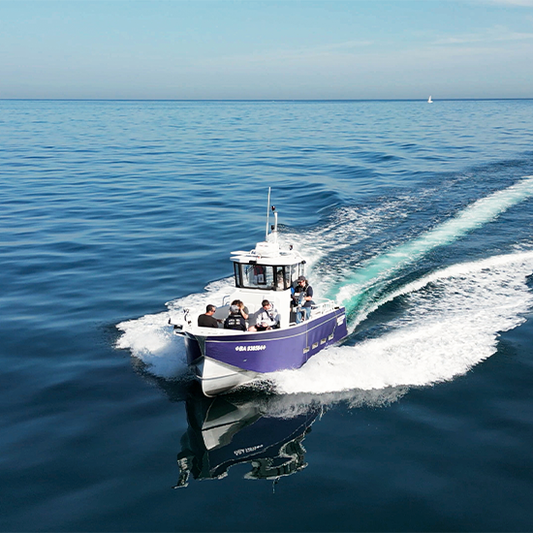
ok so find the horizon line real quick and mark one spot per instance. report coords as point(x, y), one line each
point(262, 99)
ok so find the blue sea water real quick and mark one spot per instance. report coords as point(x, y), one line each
point(418, 218)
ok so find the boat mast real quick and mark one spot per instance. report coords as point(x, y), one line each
point(268, 214)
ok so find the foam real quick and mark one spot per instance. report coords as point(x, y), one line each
point(287, 406)
point(349, 226)
point(150, 339)
point(358, 287)
point(446, 330)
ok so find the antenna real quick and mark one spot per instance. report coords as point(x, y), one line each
point(268, 214)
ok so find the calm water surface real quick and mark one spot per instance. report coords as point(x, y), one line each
point(417, 217)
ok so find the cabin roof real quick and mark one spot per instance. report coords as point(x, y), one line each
point(267, 253)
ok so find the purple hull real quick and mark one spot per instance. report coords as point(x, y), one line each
point(269, 351)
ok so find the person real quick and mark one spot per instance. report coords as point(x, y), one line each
point(207, 320)
point(235, 319)
point(267, 318)
point(302, 299)
point(242, 307)
point(259, 275)
point(279, 280)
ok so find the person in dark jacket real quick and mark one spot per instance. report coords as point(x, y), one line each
point(242, 307)
point(207, 320)
point(235, 319)
point(302, 299)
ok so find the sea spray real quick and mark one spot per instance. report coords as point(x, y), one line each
point(358, 291)
point(446, 328)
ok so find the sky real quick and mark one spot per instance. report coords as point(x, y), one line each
point(251, 49)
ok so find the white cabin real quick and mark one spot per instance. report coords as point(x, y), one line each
point(267, 272)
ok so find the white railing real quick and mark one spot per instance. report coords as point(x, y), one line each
point(323, 306)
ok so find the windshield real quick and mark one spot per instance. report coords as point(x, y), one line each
point(265, 277)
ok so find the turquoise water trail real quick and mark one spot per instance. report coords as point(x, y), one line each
point(358, 290)
point(441, 330)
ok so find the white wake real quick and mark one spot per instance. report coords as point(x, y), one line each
point(452, 323)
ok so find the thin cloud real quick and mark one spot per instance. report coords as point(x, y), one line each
point(347, 46)
point(286, 55)
point(497, 34)
point(523, 3)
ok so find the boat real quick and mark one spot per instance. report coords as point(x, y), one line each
point(224, 359)
point(430, 101)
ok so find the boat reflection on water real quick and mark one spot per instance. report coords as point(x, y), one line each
point(226, 431)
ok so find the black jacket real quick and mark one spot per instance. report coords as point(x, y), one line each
point(235, 321)
point(207, 321)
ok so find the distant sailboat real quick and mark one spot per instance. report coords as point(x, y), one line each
point(430, 101)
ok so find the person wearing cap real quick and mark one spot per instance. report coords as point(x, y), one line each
point(303, 299)
point(235, 319)
point(267, 318)
point(207, 320)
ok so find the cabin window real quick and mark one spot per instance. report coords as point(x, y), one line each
point(254, 276)
point(238, 274)
point(275, 278)
point(258, 276)
point(288, 278)
point(294, 271)
point(283, 278)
